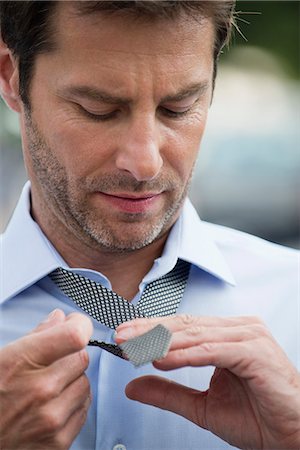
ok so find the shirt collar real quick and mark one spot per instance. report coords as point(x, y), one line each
point(26, 253)
point(197, 245)
point(29, 256)
point(190, 239)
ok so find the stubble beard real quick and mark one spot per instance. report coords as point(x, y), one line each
point(63, 199)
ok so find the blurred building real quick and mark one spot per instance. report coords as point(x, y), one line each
point(248, 172)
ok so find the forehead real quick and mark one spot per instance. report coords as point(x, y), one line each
point(144, 35)
point(119, 50)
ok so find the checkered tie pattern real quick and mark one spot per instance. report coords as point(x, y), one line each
point(161, 297)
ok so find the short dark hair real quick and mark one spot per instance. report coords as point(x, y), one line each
point(26, 25)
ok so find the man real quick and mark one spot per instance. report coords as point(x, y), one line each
point(113, 99)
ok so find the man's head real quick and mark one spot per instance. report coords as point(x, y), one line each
point(113, 108)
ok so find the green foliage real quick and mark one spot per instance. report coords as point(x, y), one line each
point(273, 26)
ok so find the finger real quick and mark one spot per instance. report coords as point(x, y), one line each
point(55, 317)
point(198, 335)
point(64, 371)
point(247, 359)
point(133, 328)
point(42, 386)
point(42, 349)
point(168, 395)
point(65, 437)
point(221, 355)
point(54, 415)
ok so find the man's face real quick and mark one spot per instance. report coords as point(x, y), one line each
point(117, 114)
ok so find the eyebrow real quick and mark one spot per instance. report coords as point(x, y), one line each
point(197, 88)
point(90, 93)
point(97, 95)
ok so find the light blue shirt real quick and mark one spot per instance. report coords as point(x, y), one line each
point(232, 274)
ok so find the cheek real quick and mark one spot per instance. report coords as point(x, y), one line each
point(79, 148)
point(183, 148)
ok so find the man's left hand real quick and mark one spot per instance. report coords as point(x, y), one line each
point(253, 400)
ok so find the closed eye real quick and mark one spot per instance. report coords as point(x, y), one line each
point(174, 114)
point(178, 111)
point(97, 117)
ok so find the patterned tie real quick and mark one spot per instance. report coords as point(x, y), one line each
point(161, 297)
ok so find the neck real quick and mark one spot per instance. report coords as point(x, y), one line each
point(125, 270)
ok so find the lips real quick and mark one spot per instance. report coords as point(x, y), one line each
point(133, 197)
point(130, 203)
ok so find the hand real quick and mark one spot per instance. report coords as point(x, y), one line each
point(253, 401)
point(44, 393)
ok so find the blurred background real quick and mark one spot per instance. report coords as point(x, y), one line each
point(248, 172)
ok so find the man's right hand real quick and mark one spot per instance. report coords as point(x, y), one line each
point(44, 393)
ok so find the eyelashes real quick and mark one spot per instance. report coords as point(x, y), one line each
point(97, 117)
point(113, 114)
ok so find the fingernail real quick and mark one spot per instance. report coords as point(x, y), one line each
point(51, 316)
point(124, 334)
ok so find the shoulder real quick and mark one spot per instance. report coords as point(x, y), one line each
point(235, 240)
point(252, 257)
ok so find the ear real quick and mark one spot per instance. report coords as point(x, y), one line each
point(9, 78)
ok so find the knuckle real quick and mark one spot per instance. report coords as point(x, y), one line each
point(85, 385)
point(260, 330)
point(44, 390)
point(195, 331)
point(75, 337)
point(84, 411)
point(186, 319)
point(207, 347)
point(49, 421)
point(61, 442)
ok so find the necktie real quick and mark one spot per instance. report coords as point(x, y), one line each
point(161, 297)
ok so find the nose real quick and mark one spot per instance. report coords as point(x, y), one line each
point(139, 149)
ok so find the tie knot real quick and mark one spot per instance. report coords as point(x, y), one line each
point(161, 297)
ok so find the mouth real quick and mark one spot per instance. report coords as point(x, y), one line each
point(132, 203)
point(132, 196)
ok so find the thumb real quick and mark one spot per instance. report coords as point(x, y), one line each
point(54, 318)
point(168, 395)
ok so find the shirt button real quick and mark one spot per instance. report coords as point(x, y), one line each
point(119, 447)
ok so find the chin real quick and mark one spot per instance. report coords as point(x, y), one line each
point(130, 238)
